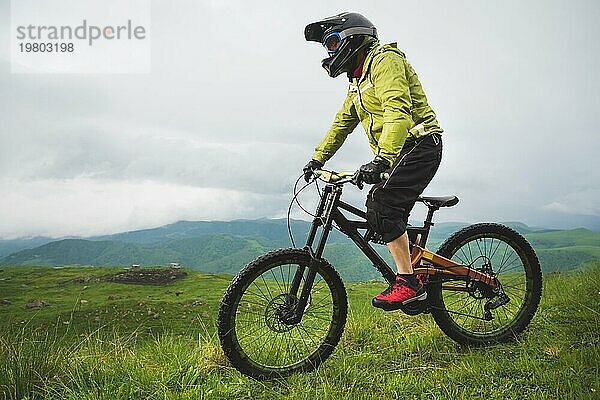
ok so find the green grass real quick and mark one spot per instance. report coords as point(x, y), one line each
point(147, 342)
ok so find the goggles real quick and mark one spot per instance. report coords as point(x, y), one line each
point(333, 42)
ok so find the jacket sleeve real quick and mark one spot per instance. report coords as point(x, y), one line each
point(343, 124)
point(392, 88)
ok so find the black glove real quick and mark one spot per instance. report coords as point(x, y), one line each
point(371, 172)
point(310, 167)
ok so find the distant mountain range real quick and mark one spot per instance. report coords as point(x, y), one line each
point(226, 246)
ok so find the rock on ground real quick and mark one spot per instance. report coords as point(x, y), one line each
point(37, 304)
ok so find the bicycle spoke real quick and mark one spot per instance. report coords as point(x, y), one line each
point(277, 282)
point(466, 309)
point(466, 258)
point(496, 249)
point(484, 248)
point(470, 253)
point(262, 333)
point(505, 265)
point(479, 247)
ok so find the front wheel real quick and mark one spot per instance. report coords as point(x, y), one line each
point(254, 326)
point(476, 314)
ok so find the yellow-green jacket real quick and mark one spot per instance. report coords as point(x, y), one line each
point(389, 101)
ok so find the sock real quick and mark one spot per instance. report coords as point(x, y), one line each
point(410, 278)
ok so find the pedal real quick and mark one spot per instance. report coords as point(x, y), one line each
point(417, 306)
point(387, 306)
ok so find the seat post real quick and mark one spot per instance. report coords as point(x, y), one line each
point(428, 221)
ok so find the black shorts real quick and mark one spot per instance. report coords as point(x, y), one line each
point(390, 202)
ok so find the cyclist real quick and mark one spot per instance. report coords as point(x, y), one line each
point(385, 95)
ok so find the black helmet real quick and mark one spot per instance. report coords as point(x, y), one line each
point(344, 36)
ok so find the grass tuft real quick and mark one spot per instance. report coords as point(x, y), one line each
point(29, 361)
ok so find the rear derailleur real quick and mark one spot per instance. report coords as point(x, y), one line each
point(479, 290)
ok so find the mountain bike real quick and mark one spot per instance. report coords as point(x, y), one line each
point(285, 311)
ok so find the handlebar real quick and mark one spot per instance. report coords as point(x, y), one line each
point(340, 178)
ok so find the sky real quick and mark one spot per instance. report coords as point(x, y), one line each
point(236, 100)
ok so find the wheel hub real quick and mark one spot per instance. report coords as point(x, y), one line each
point(280, 311)
point(480, 290)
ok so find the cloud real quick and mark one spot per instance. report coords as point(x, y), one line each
point(235, 105)
point(584, 202)
point(86, 207)
point(116, 150)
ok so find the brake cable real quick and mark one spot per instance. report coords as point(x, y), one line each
point(295, 199)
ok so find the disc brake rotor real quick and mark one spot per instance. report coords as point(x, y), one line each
point(278, 311)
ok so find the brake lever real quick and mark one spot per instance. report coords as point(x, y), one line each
point(357, 180)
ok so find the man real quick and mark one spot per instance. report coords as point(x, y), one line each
point(385, 95)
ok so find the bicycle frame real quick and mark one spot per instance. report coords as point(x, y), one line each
point(424, 262)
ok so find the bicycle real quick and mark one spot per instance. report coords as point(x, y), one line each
point(285, 311)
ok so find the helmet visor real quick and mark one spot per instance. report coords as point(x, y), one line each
point(332, 42)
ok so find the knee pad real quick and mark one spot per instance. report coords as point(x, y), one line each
point(389, 222)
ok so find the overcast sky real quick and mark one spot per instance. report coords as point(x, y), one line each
point(236, 101)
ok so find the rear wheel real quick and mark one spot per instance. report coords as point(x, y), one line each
point(254, 326)
point(478, 315)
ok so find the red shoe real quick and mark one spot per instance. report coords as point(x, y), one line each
point(400, 293)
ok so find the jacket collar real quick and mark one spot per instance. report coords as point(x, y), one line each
point(376, 49)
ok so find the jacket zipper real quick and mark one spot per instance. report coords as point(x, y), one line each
point(365, 110)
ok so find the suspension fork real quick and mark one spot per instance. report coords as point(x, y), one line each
point(331, 195)
point(310, 239)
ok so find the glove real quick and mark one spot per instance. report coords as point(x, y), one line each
point(310, 168)
point(371, 172)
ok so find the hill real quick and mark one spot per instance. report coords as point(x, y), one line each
point(274, 230)
point(211, 252)
point(215, 247)
point(13, 245)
